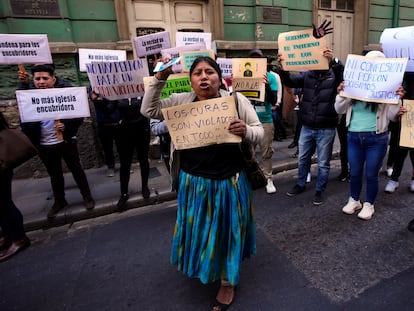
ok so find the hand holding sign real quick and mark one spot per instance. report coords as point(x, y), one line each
point(322, 30)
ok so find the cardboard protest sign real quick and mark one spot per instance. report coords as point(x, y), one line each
point(201, 123)
point(248, 77)
point(24, 49)
point(87, 56)
point(407, 125)
point(302, 51)
point(117, 80)
point(175, 52)
point(373, 79)
point(188, 38)
point(226, 66)
point(249, 67)
point(399, 42)
point(252, 88)
point(176, 83)
point(52, 104)
point(188, 57)
point(152, 44)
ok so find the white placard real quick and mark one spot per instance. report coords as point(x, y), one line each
point(225, 65)
point(373, 79)
point(399, 42)
point(152, 44)
point(187, 38)
point(87, 56)
point(118, 80)
point(24, 49)
point(53, 104)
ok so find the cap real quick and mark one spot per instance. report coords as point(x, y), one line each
point(255, 53)
point(376, 54)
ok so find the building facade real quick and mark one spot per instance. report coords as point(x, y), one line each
point(236, 26)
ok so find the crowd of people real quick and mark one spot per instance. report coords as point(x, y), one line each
point(214, 229)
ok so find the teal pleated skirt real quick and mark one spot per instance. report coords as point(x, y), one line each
point(214, 229)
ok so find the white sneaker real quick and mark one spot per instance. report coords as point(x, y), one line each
point(308, 178)
point(389, 172)
point(270, 187)
point(110, 172)
point(352, 206)
point(391, 186)
point(367, 211)
point(412, 186)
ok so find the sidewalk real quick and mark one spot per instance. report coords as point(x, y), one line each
point(34, 196)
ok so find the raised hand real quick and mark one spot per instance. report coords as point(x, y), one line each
point(322, 30)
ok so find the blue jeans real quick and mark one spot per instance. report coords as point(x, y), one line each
point(322, 140)
point(365, 148)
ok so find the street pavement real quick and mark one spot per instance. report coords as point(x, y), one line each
point(308, 257)
point(34, 197)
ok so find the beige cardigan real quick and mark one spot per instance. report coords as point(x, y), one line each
point(385, 112)
point(152, 105)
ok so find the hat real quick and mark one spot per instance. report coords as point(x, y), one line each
point(375, 54)
point(255, 53)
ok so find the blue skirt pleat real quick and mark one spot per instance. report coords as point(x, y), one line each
point(214, 229)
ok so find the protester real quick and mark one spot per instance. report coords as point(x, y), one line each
point(214, 229)
point(367, 144)
point(107, 119)
point(133, 135)
point(56, 140)
point(319, 120)
point(400, 153)
point(264, 112)
point(13, 238)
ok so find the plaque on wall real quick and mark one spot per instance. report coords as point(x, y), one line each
point(272, 15)
point(35, 8)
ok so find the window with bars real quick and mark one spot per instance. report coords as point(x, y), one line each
point(343, 5)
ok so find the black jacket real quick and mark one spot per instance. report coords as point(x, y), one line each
point(319, 92)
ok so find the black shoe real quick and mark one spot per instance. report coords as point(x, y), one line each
point(292, 145)
point(344, 176)
point(318, 198)
point(121, 205)
point(56, 207)
point(295, 190)
point(88, 202)
point(145, 192)
point(410, 226)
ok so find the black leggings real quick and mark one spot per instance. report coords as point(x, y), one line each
point(131, 137)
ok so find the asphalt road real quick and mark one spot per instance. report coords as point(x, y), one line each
point(308, 258)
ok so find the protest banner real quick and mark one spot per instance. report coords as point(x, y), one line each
point(175, 52)
point(373, 79)
point(399, 42)
point(176, 83)
point(302, 51)
point(188, 57)
point(407, 125)
point(117, 80)
point(152, 44)
point(52, 104)
point(87, 56)
point(226, 65)
point(252, 88)
point(201, 123)
point(188, 38)
point(24, 49)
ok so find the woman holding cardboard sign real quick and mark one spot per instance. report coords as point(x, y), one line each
point(214, 229)
point(367, 144)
